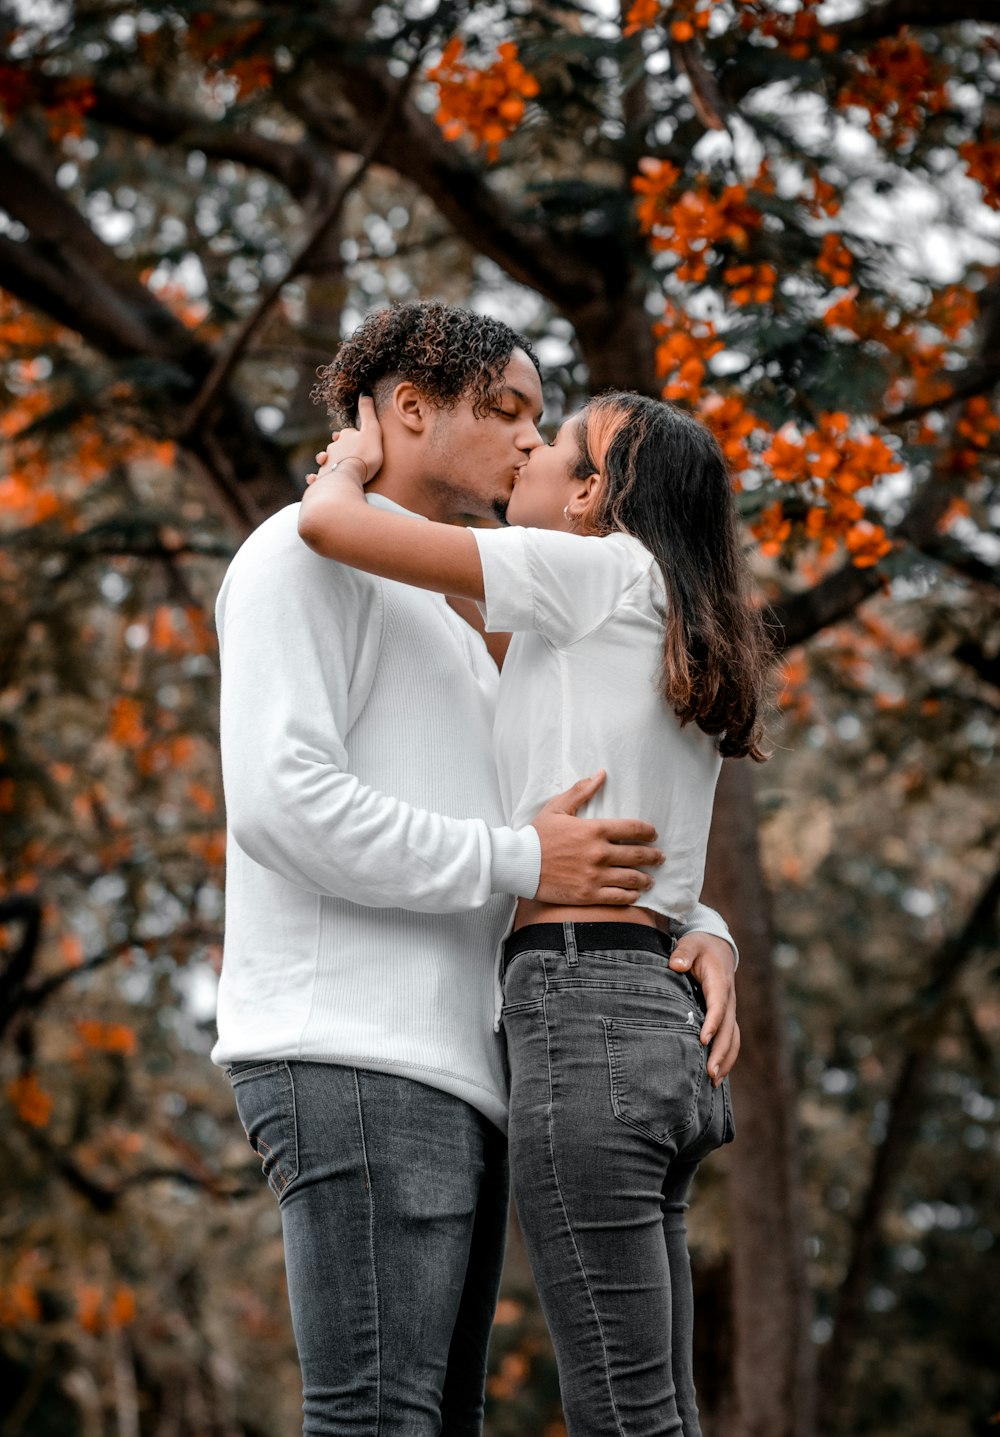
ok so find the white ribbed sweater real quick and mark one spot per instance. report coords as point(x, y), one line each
point(369, 869)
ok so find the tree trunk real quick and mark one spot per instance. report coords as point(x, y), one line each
point(773, 1364)
point(616, 337)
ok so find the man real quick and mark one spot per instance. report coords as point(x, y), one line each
point(369, 882)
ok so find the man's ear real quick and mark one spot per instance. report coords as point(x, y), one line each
point(410, 407)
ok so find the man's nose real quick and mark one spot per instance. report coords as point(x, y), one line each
point(529, 438)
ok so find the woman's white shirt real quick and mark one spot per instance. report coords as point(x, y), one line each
point(580, 691)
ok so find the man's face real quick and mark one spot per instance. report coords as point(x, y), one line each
point(477, 459)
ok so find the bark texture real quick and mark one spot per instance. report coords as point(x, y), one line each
point(773, 1367)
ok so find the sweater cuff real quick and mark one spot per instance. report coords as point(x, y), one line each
point(706, 920)
point(517, 861)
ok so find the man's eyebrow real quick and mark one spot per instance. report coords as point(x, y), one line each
point(524, 398)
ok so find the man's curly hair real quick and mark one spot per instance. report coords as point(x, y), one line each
point(448, 354)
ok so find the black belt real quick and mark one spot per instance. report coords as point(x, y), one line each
point(590, 938)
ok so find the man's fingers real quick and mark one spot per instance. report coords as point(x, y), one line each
point(714, 1015)
point(718, 1029)
point(724, 1052)
point(626, 830)
point(620, 897)
point(574, 798)
point(620, 855)
point(630, 878)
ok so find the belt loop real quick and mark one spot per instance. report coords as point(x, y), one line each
point(569, 935)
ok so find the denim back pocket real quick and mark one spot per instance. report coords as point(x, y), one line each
point(265, 1101)
point(657, 1070)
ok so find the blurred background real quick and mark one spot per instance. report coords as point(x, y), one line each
point(783, 214)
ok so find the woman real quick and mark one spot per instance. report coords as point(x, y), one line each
point(635, 649)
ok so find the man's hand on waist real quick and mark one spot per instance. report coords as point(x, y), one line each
point(592, 860)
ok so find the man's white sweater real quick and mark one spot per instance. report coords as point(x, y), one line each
point(369, 869)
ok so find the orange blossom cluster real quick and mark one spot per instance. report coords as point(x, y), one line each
point(732, 424)
point(920, 361)
point(751, 284)
point(831, 465)
point(797, 33)
point(64, 102)
point(982, 160)
point(835, 260)
point(223, 48)
point(976, 427)
point(487, 104)
point(899, 85)
point(684, 347)
point(695, 223)
point(687, 16)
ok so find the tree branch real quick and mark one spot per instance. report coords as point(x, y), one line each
point(66, 271)
point(227, 361)
point(892, 15)
point(14, 978)
point(302, 169)
point(77, 278)
point(933, 1003)
point(947, 551)
point(558, 268)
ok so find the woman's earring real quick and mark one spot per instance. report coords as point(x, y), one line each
point(566, 511)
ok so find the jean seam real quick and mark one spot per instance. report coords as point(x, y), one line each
point(371, 1249)
point(569, 1225)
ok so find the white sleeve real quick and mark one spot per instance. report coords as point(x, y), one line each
point(561, 585)
point(300, 638)
point(705, 920)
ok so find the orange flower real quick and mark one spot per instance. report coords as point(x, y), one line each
point(222, 46)
point(867, 543)
point(89, 1304)
point(794, 696)
point(787, 458)
point(978, 422)
point(682, 354)
point(642, 15)
point(487, 104)
point(899, 85)
point(108, 1037)
point(33, 1105)
point(753, 284)
point(126, 722)
point(122, 1307)
point(19, 1304)
point(771, 528)
point(696, 222)
point(732, 424)
point(982, 160)
point(203, 798)
point(835, 260)
point(843, 314)
point(953, 309)
point(71, 949)
point(654, 183)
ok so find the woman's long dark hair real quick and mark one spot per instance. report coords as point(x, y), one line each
point(665, 482)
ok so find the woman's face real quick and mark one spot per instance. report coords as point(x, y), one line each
point(546, 484)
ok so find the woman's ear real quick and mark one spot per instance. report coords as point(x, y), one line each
point(586, 497)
